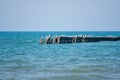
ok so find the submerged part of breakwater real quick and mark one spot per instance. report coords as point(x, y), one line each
point(75, 39)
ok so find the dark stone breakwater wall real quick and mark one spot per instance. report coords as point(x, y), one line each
point(75, 39)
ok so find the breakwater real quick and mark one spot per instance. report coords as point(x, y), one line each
point(76, 39)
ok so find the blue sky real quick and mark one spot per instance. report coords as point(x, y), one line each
point(60, 15)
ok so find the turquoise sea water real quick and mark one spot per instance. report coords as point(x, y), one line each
point(23, 58)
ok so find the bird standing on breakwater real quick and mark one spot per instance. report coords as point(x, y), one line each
point(41, 40)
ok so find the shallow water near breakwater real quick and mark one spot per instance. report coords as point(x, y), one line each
point(23, 58)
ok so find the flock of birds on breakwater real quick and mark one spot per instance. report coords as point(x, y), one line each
point(76, 39)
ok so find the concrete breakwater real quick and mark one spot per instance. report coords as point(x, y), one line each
point(76, 39)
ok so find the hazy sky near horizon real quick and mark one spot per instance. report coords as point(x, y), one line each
point(60, 15)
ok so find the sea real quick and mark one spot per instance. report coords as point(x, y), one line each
point(22, 57)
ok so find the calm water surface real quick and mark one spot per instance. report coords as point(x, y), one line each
point(23, 58)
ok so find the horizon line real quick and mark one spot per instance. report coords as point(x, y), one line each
point(59, 31)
